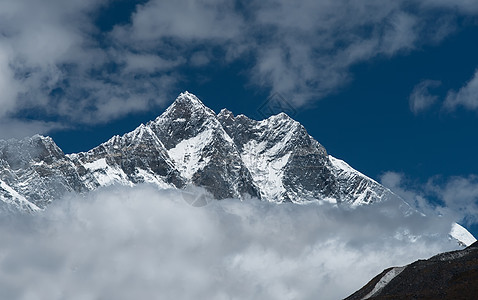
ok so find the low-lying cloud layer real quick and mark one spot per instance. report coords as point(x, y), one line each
point(141, 243)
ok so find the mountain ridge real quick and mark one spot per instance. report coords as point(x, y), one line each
point(274, 160)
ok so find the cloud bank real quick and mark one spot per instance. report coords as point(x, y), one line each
point(58, 63)
point(141, 243)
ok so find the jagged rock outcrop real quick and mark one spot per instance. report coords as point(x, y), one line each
point(290, 165)
point(136, 157)
point(201, 149)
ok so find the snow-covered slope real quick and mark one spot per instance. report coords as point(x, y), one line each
point(357, 188)
point(462, 235)
point(384, 280)
point(12, 198)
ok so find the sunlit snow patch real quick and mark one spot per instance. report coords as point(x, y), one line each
point(394, 272)
point(105, 174)
point(265, 170)
point(463, 236)
point(187, 155)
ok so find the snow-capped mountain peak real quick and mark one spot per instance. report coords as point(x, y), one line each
point(187, 97)
point(184, 107)
point(225, 114)
point(274, 159)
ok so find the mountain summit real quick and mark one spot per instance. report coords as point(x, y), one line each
point(274, 160)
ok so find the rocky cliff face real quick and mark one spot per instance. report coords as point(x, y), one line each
point(289, 165)
point(201, 149)
point(34, 172)
point(274, 160)
point(137, 157)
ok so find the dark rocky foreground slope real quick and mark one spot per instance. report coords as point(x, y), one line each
point(450, 275)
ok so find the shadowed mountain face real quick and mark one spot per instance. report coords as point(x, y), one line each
point(274, 160)
point(450, 275)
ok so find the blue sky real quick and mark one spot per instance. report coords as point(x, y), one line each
point(391, 87)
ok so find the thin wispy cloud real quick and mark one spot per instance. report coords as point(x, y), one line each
point(459, 195)
point(456, 197)
point(421, 98)
point(466, 96)
point(123, 243)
